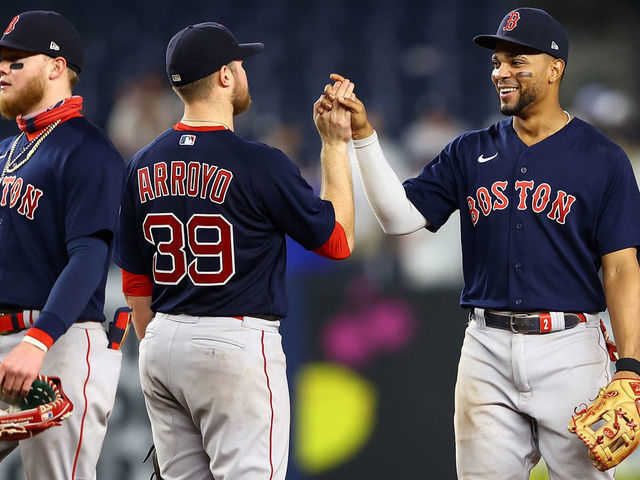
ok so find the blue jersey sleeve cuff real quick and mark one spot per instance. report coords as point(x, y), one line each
point(51, 324)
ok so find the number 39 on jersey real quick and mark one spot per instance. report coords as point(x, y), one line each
point(204, 238)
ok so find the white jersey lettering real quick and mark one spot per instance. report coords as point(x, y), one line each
point(179, 179)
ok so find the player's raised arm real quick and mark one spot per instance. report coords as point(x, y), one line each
point(334, 128)
point(384, 190)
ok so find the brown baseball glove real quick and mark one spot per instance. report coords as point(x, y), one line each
point(45, 406)
point(616, 412)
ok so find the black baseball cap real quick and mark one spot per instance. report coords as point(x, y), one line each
point(44, 32)
point(199, 50)
point(530, 27)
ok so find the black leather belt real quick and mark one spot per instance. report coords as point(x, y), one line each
point(539, 322)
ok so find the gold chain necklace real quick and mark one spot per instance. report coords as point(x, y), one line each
point(14, 163)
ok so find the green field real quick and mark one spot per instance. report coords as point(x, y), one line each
point(540, 473)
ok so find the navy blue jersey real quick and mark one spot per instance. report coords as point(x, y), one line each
point(205, 214)
point(535, 220)
point(69, 188)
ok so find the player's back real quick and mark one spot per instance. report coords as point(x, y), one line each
point(210, 211)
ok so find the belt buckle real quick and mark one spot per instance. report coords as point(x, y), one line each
point(513, 326)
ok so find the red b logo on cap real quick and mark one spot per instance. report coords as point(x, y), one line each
point(12, 24)
point(512, 22)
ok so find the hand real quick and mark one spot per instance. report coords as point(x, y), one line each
point(360, 126)
point(334, 126)
point(19, 369)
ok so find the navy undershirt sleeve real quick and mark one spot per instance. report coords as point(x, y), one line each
point(75, 285)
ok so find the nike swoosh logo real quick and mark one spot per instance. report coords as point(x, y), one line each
point(482, 159)
point(2, 156)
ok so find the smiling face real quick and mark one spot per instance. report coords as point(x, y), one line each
point(522, 77)
point(22, 82)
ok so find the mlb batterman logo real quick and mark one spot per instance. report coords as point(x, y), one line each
point(187, 139)
point(12, 24)
point(512, 22)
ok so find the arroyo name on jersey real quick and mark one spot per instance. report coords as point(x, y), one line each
point(13, 195)
point(494, 198)
point(179, 179)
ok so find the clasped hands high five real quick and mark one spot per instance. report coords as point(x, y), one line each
point(338, 104)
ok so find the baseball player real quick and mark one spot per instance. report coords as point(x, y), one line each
point(201, 241)
point(547, 200)
point(60, 186)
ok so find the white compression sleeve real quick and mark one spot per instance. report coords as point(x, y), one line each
point(386, 195)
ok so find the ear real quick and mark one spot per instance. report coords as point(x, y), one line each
point(58, 67)
point(225, 76)
point(556, 68)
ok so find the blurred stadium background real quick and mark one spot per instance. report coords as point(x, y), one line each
point(372, 342)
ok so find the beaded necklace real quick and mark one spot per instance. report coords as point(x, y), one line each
point(14, 163)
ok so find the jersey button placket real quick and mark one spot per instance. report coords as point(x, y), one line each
point(523, 168)
point(518, 243)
